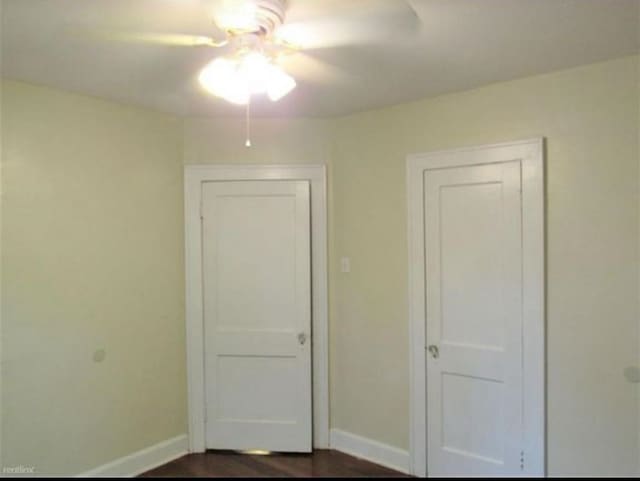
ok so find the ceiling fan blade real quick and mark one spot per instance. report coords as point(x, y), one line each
point(307, 68)
point(177, 40)
point(350, 22)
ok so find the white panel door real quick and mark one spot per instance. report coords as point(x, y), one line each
point(257, 321)
point(473, 266)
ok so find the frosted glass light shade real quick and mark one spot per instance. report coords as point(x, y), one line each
point(235, 80)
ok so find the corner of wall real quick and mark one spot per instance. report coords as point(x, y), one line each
point(1, 150)
point(638, 219)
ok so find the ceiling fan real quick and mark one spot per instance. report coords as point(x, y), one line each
point(262, 42)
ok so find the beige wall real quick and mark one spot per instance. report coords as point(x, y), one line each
point(589, 117)
point(117, 282)
point(591, 124)
point(92, 259)
point(1, 356)
point(275, 141)
point(638, 258)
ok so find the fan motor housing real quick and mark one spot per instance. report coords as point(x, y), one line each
point(268, 16)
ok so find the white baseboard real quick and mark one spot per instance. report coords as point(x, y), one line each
point(143, 460)
point(370, 450)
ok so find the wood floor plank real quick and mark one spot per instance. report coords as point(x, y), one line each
point(229, 464)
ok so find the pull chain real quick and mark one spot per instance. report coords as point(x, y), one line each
point(248, 123)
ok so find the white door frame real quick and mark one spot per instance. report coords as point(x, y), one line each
point(194, 176)
point(531, 155)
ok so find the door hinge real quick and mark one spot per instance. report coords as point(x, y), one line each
point(522, 460)
point(201, 211)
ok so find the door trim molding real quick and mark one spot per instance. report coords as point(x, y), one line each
point(194, 176)
point(531, 154)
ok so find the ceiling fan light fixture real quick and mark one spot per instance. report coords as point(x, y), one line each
point(220, 79)
point(254, 69)
point(280, 84)
point(235, 80)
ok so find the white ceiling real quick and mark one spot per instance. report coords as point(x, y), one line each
point(462, 44)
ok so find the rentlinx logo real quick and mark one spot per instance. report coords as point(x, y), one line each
point(18, 470)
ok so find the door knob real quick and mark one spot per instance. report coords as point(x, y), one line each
point(434, 351)
point(302, 338)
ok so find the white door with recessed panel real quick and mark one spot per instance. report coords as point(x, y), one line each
point(474, 329)
point(257, 315)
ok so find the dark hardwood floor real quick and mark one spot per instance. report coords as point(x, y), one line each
point(322, 463)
